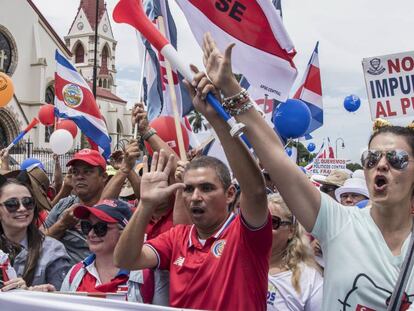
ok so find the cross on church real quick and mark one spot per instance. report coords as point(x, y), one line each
point(3, 57)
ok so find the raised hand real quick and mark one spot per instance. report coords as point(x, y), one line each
point(154, 182)
point(218, 66)
point(140, 116)
point(199, 88)
point(179, 172)
point(130, 156)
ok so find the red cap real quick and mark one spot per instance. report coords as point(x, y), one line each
point(92, 157)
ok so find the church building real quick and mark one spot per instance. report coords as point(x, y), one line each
point(27, 48)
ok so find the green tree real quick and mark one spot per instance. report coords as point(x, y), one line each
point(354, 166)
point(196, 120)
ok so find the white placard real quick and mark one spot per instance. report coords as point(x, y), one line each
point(326, 166)
point(389, 81)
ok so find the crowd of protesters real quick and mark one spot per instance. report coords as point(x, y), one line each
point(197, 234)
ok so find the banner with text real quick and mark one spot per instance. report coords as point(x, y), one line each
point(389, 81)
point(326, 166)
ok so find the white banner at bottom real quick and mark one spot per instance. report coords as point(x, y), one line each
point(23, 300)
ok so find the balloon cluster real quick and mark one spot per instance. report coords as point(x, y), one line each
point(62, 138)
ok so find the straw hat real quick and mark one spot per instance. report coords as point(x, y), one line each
point(335, 178)
point(352, 185)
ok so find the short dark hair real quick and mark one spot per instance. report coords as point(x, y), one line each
point(221, 169)
point(406, 132)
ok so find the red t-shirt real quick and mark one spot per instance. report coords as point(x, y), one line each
point(165, 223)
point(228, 273)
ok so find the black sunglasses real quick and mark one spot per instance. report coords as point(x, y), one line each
point(327, 189)
point(398, 159)
point(100, 228)
point(13, 204)
point(277, 222)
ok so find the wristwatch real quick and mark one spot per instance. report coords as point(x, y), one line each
point(148, 134)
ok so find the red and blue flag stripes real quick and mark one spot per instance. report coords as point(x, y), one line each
point(74, 100)
point(310, 91)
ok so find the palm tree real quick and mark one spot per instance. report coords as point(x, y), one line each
point(197, 121)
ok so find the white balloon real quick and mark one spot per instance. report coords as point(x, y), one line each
point(61, 141)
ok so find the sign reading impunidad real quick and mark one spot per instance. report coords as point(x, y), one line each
point(389, 81)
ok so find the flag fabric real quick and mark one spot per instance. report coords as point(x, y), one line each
point(325, 152)
point(74, 101)
point(310, 91)
point(263, 52)
point(158, 94)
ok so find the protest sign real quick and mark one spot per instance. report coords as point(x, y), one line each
point(324, 167)
point(389, 81)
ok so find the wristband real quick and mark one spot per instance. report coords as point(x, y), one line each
point(148, 134)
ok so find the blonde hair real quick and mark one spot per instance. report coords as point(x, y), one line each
point(298, 250)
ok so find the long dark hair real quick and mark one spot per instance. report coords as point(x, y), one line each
point(35, 238)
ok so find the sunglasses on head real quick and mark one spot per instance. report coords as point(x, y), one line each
point(100, 228)
point(277, 222)
point(13, 204)
point(398, 159)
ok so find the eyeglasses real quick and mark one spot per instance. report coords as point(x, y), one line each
point(100, 228)
point(13, 204)
point(327, 189)
point(277, 222)
point(398, 159)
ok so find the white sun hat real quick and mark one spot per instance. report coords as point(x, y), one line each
point(352, 185)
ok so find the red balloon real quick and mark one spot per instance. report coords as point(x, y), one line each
point(165, 127)
point(68, 125)
point(47, 114)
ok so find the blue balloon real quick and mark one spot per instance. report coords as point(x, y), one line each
point(30, 163)
point(292, 118)
point(352, 103)
point(311, 147)
point(288, 151)
point(362, 204)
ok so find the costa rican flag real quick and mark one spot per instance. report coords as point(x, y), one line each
point(310, 91)
point(74, 100)
point(263, 52)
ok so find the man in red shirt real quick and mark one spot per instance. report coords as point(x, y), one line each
point(221, 261)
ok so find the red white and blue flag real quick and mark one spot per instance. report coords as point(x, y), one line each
point(263, 52)
point(310, 91)
point(325, 152)
point(74, 100)
point(158, 97)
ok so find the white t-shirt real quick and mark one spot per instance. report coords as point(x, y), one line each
point(360, 270)
point(282, 296)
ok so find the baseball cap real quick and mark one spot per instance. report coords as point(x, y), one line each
point(89, 156)
point(109, 210)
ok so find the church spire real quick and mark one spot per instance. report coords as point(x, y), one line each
point(89, 7)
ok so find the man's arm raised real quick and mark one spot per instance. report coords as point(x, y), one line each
point(253, 201)
point(130, 251)
point(300, 195)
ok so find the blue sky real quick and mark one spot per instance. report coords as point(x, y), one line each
point(348, 31)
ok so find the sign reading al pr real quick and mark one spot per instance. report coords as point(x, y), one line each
point(326, 166)
point(389, 81)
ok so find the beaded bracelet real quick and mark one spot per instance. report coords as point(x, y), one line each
point(235, 100)
point(241, 109)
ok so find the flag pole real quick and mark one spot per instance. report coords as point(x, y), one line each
point(95, 50)
point(178, 130)
point(141, 85)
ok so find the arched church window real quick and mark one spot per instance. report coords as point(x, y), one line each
point(100, 82)
point(79, 54)
point(5, 53)
point(104, 62)
point(104, 84)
